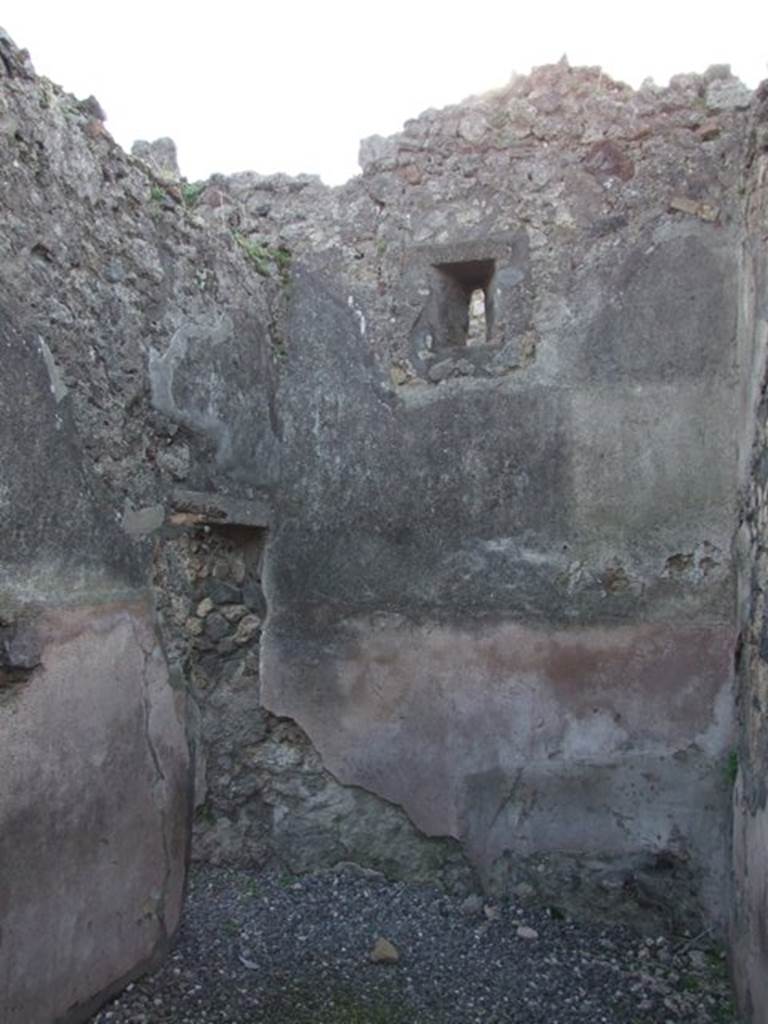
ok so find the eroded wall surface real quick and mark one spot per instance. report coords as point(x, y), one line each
point(497, 569)
point(96, 797)
point(497, 572)
point(93, 753)
point(499, 577)
point(444, 591)
point(749, 929)
point(159, 329)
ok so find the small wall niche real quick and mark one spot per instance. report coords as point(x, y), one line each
point(464, 303)
point(466, 306)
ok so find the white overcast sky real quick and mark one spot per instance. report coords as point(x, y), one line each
point(290, 85)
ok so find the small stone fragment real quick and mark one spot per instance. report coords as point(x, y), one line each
point(705, 211)
point(710, 129)
point(464, 368)
point(193, 626)
point(92, 107)
point(376, 150)
point(20, 647)
point(247, 628)
point(359, 870)
point(440, 370)
point(233, 612)
point(473, 127)
point(411, 173)
point(698, 959)
point(529, 934)
point(237, 566)
point(216, 626)
point(709, 212)
point(546, 102)
point(606, 160)
point(683, 205)
point(384, 952)
point(221, 569)
point(472, 905)
point(205, 607)
point(728, 94)
point(221, 592)
point(253, 596)
point(160, 155)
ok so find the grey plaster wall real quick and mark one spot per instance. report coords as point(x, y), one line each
point(749, 926)
point(109, 265)
point(96, 271)
point(439, 605)
point(498, 574)
point(499, 577)
point(507, 606)
point(93, 753)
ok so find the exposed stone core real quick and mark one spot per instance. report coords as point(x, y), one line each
point(403, 511)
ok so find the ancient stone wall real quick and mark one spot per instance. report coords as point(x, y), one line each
point(561, 480)
point(749, 767)
point(94, 807)
point(98, 263)
point(434, 478)
point(498, 574)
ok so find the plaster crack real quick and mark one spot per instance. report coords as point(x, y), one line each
point(507, 798)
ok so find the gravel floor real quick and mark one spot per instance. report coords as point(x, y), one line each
point(265, 949)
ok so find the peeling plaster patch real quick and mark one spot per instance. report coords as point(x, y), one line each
point(591, 714)
point(171, 395)
point(193, 397)
point(695, 566)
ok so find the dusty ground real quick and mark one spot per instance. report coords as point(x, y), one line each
point(268, 949)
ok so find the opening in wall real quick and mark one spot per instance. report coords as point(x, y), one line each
point(464, 303)
point(477, 330)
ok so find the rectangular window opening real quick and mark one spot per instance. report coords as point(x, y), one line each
point(465, 309)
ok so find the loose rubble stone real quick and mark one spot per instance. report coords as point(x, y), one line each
point(709, 130)
point(160, 155)
point(706, 211)
point(247, 628)
point(473, 127)
point(193, 626)
point(384, 952)
point(441, 370)
point(221, 592)
point(728, 94)
point(216, 626)
point(233, 612)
